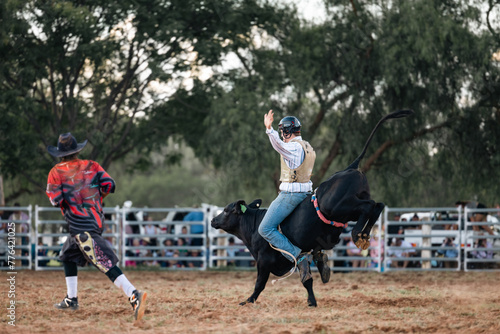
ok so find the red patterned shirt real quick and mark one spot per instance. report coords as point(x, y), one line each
point(78, 187)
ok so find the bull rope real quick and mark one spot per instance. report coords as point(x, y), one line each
point(291, 270)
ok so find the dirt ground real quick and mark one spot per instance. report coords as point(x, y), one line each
point(207, 302)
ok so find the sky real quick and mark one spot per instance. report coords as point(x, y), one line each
point(310, 9)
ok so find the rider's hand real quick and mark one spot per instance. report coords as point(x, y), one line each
point(268, 119)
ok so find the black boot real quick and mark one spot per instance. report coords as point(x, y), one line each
point(321, 260)
point(303, 263)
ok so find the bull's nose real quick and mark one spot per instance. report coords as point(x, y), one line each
point(214, 223)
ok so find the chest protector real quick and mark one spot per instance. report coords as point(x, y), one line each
point(301, 174)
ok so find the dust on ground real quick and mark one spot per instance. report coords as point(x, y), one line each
point(207, 302)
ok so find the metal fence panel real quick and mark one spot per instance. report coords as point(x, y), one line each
point(155, 241)
point(421, 244)
point(51, 233)
point(15, 239)
point(480, 243)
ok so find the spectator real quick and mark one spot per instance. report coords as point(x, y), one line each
point(153, 255)
point(394, 229)
point(130, 253)
point(4, 215)
point(353, 251)
point(401, 229)
point(415, 218)
point(138, 252)
point(441, 216)
point(482, 252)
point(195, 263)
point(20, 219)
point(405, 251)
point(174, 263)
point(129, 228)
point(128, 231)
point(231, 252)
point(449, 253)
point(167, 251)
point(135, 228)
point(42, 252)
point(478, 217)
point(184, 232)
point(151, 230)
point(342, 252)
point(19, 215)
point(197, 216)
point(182, 252)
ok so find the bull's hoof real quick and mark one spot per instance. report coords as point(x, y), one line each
point(249, 300)
point(312, 304)
point(363, 241)
point(366, 244)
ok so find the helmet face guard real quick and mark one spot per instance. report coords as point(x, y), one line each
point(289, 125)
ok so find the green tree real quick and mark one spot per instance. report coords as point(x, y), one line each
point(341, 76)
point(103, 70)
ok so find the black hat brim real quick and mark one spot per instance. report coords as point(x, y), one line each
point(54, 151)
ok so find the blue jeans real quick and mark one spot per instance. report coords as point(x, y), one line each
point(279, 209)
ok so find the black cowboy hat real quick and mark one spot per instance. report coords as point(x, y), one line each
point(66, 145)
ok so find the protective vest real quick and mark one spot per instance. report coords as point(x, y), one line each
point(301, 174)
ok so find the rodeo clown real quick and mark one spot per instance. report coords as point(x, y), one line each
point(297, 163)
point(78, 187)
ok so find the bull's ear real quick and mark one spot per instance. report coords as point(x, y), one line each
point(255, 204)
point(240, 207)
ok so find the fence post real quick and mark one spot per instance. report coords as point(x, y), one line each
point(123, 242)
point(426, 242)
point(383, 262)
point(36, 237)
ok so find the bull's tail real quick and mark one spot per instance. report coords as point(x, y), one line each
point(396, 114)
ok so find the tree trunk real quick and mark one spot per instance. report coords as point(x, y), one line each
point(2, 195)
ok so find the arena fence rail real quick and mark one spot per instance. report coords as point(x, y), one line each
point(418, 239)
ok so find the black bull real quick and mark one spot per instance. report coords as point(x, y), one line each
point(342, 198)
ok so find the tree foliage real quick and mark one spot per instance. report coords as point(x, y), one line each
point(102, 70)
point(340, 76)
point(127, 75)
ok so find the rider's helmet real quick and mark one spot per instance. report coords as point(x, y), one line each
point(289, 125)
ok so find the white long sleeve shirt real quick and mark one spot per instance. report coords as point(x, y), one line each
point(293, 154)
